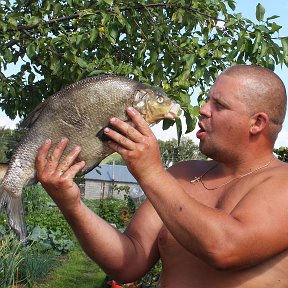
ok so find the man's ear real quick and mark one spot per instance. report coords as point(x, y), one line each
point(258, 122)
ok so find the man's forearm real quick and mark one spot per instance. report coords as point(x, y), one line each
point(112, 250)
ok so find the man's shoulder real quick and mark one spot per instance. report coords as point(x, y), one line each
point(279, 172)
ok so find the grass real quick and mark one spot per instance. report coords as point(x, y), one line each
point(77, 271)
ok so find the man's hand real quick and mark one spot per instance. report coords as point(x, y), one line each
point(138, 146)
point(58, 177)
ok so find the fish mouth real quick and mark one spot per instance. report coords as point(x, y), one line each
point(173, 113)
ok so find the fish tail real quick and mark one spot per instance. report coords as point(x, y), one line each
point(15, 213)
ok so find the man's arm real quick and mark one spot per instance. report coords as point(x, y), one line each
point(124, 256)
point(223, 239)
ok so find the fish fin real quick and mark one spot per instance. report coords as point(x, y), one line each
point(91, 168)
point(101, 135)
point(15, 213)
point(33, 115)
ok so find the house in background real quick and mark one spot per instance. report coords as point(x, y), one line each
point(99, 185)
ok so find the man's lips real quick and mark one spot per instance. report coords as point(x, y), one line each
point(201, 131)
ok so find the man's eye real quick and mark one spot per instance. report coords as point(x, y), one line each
point(219, 106)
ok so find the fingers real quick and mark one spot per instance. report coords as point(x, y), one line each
point(58, 151)
point(126, 135)
point(41, 159)
point(49, 166)
point(119, 139)
point(68, 160)
point(140, 124)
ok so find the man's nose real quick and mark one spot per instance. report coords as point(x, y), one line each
point(205, 110)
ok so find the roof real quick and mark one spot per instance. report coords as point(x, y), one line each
point(117, 173)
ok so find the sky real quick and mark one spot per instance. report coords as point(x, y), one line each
point(248, 10)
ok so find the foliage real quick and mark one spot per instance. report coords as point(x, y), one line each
point(10, 259)
point(35, 265)
point(21, 264)
point(282, 153)
point(36, 199)
point(172, 44)
point(114, 211)
point(8, 141)
point(46, 226)
point(51, 219)
point(49, 240)
point(151, 278)
point(42, 211)
point(115, 159)
point(5, 138)
point(172, 153)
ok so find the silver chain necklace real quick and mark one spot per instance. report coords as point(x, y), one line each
point(200, 178)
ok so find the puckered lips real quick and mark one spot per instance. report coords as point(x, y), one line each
point(201, 132)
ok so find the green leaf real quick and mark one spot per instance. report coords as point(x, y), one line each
point(272, 17)
point(284, 42)
point(93, 34)
point(57, 8)
point(264, 49)
point(81, 62)
point(179, 129)
point(79, 39)
point(270, 63)
point(34, 20)
point(190, 121)
point(31, 78)
point(7, 55)
point(12, 22)
point(257, 42)
point(113, 33)
point(260, 12)
point(31, 51)
point(275, 27)
point(86, 12)
point(109, 2)
point(167, 123)
point(231, 4)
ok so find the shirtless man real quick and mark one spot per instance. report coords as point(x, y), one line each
point(219, 223)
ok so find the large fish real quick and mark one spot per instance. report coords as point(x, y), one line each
point(80, 112)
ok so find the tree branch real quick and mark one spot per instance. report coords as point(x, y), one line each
point(139, 7)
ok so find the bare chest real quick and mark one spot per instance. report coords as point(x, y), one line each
point(181, 267)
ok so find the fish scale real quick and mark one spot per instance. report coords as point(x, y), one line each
point(79, 112)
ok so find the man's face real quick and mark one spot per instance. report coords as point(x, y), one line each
point(224, 122)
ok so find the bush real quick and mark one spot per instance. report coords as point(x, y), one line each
point(52, 241)
point(114, 211)
point(35, 265)
point(36, 199)
point(22, 264)
point(10, 259)
point(51, 219)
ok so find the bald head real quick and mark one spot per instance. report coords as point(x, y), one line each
point(261, 91)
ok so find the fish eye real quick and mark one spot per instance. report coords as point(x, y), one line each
point(160, 99)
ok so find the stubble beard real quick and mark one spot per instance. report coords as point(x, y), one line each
point(216, 151)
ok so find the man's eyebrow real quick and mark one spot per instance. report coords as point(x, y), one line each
point(217, 98)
